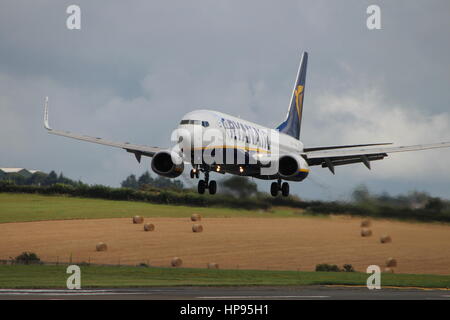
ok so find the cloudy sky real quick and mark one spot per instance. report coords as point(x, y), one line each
point(136, 67)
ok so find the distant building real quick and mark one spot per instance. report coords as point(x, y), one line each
point(5, 172)
point(415, 205)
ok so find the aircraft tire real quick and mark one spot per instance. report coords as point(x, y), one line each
point(212, 187)
point(274, 189)
point(285, 189)
point(201, 186)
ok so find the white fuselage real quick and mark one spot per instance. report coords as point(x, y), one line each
point(234, 133)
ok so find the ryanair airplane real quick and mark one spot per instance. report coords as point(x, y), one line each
point(212, 141)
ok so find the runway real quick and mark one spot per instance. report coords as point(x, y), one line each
point(229, 293)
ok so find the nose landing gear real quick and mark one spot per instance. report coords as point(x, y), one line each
point(275, 187)
point(195, 173)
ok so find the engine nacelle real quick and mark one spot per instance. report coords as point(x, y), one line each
point(293, 167)
point(163, 164)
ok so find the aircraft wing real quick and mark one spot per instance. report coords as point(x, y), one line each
point(330, 159)
point(345, 146)
point(138, 150)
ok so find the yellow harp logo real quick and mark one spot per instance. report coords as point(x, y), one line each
point(299, 100)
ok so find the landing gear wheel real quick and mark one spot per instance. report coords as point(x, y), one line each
point(274, 189)
point(201, 186)
point(212, 187)
point(195, 173)
point(285, 189)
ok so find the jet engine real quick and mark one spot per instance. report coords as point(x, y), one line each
point(167, 164)
point(292, 167)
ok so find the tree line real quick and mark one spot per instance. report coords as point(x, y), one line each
point(39, 179)
point(146, 181)
point(237, 192)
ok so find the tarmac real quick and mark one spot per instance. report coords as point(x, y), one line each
point(229, 293)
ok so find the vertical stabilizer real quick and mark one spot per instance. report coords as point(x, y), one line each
point(292, 124)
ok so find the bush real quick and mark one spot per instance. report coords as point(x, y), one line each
point(324, 267)
point(143, 265)
point(27, 258)
point(348, 268)
point(435, 204)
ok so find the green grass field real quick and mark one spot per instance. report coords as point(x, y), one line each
point(33, 207)
point(44, 276)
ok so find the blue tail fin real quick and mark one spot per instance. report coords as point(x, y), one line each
point(292, 124)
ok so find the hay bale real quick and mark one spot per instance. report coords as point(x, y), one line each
point(385, 239)
point(213, 265)
point(366, 232)
point(196, 217)
point(366, 223)
point(391, 262)
point(101, 246)
point(138, 219)
point(149, 227)
point(388, 270)
point(176, 262)
point(197, 228)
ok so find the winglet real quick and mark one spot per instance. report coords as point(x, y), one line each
point(46, 125)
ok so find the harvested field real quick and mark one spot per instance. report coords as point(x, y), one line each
point(243, 243)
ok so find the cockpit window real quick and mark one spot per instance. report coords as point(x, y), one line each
point(195, 122)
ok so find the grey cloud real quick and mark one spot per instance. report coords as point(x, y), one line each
point(134, 69)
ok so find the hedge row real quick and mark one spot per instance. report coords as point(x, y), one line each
point(162, 197)
point(377, 211)
point(194, 199)
point(380, 211)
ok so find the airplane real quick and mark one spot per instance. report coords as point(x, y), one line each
point(253, 144)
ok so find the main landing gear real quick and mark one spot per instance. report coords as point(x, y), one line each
point(204, 184)
point(275, 187)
